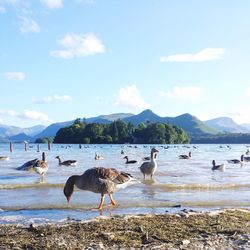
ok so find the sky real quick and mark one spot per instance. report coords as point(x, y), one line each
point(64, 59)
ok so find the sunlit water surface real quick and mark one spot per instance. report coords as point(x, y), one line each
point(189, 183)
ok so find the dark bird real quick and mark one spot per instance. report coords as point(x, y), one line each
point(149, 167)
point(237, 161)
point(185, 156)
point(129, 162)
point(28, 165)
point(66, 163)
point(218, 167)
point(98, 180)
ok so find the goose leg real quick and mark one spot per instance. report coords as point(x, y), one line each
point(100, 204)
point(112, 201)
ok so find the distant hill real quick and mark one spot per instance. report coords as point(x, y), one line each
point(52, 129)
point(246, 125)
point(20, 138)
point(190, 124)
point(145, 117)
point(226, 125)
point(6, 131)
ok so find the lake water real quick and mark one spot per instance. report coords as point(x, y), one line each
point(189, 183)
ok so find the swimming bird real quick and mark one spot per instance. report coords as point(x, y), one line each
point(66, 163)
point(129, 162)
point(247, 152)
point(4, 158)
point(149, 167)
point(98, 180)
point(185, 156)
point(237, 161)
point(218, 167)
point(28, 165)
point(246, 158)
point(98, 157)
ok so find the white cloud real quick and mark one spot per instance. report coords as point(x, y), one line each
point(207, 54)
point(186, 93)
point(53, 4)
point(26, 115)
point(79, 46)
point(28, 25)
point(130, 96)
point(15, 76)
point(2, 10)
point(47, 99)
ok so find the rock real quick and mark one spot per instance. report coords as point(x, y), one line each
point(185, 242)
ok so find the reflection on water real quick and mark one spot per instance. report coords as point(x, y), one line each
point(187, 182)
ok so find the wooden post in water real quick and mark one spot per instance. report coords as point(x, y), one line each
point(38, 147)
point(25, 146)
point(48, 145)
point(11, 147)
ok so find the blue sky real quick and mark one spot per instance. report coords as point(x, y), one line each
point(63, 59)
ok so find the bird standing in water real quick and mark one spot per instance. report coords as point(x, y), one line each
point(104, 181)
point(149, 167)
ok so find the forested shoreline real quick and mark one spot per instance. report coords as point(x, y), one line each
point(119, 132)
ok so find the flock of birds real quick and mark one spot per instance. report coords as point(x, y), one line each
point(107, 180)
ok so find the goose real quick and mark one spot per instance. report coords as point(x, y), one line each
point(27, 166)
point(41, 166)
point(185, 156)
point(246, 158)
point(98, 180)
point(98, 157)
point(4, 158)
point(247, 152)
point(66, 163)
point(129, 162)
point(218, 167)
point(149, 167)
point(236, 161)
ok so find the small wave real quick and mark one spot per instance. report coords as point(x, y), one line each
point(200, 186)
point(33, 185)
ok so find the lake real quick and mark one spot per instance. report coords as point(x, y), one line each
point(189, 183)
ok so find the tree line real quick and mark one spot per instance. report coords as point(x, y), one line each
point(119, 132)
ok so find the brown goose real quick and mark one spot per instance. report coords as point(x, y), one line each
point(98, 180)
point(41, 166)
point(66, 163)
point(149, 167)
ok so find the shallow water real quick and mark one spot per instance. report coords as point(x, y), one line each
point(190, 183)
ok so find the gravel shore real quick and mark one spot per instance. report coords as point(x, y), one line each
point(228, 229)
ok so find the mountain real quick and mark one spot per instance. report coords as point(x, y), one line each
point(108, 118)
point(226, 125)
point(190, 124)
point(145, 117)
point(6, 131)
point(246, 125)
point(20, 138)
point(52, 129)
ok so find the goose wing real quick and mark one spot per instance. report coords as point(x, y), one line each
point(110, 174)
point(28, 165)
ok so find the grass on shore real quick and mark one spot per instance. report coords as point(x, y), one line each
point(128, 231)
